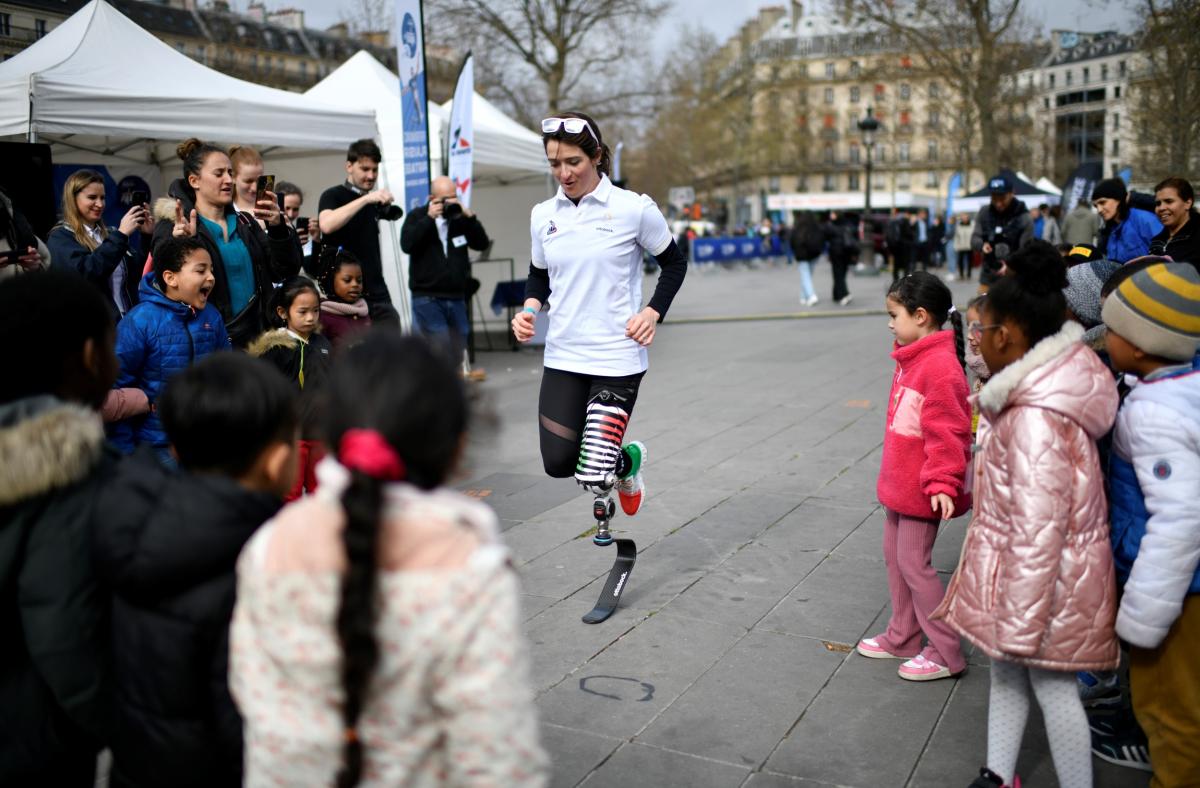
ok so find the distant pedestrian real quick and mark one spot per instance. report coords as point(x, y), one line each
point(926, 446)
point(1052, 229)
point(841, 233)
point(806, 244)
point(962, 245)
point(1001, 228)
point(1081, 225)
point(377, 636)
point(1034, 588)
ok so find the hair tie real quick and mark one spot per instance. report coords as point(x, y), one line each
point(351, 735)
point(953, 309)
point(368, 452)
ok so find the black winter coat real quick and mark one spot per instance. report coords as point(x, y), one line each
point(167, 543)
point(432, 272)
point(273, 253)
point(307, 367)
point(98, 265)
point(1185, 246)
point(55, 699)
point(807, 241)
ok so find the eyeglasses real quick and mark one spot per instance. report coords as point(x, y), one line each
point(975, 330)
point(569, 125)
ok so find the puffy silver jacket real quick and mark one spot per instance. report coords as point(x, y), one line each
point(1035, 584)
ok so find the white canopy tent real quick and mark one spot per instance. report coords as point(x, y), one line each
point(100, 84)
point(510, 166)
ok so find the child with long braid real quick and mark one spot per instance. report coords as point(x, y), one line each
point(377, 636)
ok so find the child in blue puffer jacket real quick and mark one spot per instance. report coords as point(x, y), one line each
point(171, 328)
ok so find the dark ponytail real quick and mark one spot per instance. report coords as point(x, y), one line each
point(584, 141)
point(413, 405)
point(923, 290)
point(960, 338)
point(194, 152)
point(362, 502)
point(285, 295)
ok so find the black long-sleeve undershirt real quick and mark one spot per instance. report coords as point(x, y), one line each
point(671, 260)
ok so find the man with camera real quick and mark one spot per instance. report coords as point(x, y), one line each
point(1001, 228)
point(348, 217)
point(437, 237)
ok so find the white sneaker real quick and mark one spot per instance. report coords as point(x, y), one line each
point(846, 300)
point(812, 301)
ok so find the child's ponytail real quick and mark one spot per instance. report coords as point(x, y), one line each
point(960, 338)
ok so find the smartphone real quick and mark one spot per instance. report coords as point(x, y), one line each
point(279, 199)
point(139, 197)
point(302, 223)
point(9, 257)
point(266, 183)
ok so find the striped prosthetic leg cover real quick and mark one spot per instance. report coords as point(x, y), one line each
point(600, 449)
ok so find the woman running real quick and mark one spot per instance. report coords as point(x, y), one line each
point(588, 242)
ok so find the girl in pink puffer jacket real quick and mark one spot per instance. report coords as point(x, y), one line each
point(1035, 588)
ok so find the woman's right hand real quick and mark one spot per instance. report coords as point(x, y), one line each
point(184, 228)
point(132, 220)
point(523, 325)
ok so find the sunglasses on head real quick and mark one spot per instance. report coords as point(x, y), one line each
point(569, 125)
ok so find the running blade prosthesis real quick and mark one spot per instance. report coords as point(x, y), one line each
point(603, 509)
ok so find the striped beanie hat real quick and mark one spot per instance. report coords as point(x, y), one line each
point(1158, 310)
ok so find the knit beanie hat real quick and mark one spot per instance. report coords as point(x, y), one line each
point(1158, 310)
point(1112, 188)
point(1083, 289)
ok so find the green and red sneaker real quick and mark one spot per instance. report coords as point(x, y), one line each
point(631, 489)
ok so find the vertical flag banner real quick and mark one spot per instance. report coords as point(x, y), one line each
point(410, 50)
point(459, 153)
point(616, 173)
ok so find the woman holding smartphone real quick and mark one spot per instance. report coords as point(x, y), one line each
point(102, 255)
point(587, 244)
point(249, 250)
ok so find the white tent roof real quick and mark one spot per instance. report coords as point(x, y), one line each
point(503, 148)
point(99, 74)
point(1047, 185)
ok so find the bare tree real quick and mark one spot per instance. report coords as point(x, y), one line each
point(550, 55)
point(977, 47)
point(1166, 88)
point(368, 16)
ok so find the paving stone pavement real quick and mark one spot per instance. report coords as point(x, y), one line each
point(729, 661)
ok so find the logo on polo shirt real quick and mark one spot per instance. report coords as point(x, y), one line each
point(552, 229)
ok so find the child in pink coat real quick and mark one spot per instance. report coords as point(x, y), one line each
point(926, 447)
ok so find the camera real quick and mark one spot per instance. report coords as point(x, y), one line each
point(452, 210)
point(391, 213)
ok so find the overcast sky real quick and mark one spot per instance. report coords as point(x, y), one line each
point(724, 17)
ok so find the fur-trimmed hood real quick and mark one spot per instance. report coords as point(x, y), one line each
point(46, 444)
point(164, 208)
point(268, 340)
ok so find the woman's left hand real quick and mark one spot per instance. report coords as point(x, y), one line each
point(267, 209)
point(640, 327)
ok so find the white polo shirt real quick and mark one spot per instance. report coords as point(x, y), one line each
point(593, 252)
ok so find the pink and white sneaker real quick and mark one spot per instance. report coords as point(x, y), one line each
point(870, 647)
point(921, 669)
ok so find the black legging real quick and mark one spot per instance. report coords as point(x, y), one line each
point(964, 264)
point(562, 412)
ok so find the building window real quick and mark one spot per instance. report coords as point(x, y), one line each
point(931, 179)
point(1103, 72)
point(802, 97)
point(1117, 92)
point(1051, 81)
point(1116, 121)
point(905, 91)
point(855, 154)
point(904, 151)
point(828, 182)
point(39, 28)
point(903, 180)
point(1087, 74)
point(1067, 78)
point(852, 182)
point(828, 121)
point(5, 24)
point(933, 151)
point(802, 121)
point(935, 118)
point(828, 95)
point(881, 153)
point(855, 69)
point(1121, 69)
point(828, 152)
point(855, 94)
point(905, 119)
point(831, 70)
point(879, 92)
point(935, 90)
point(254, 61)
point(773, 184)
point(802, 184)
point(905, 62)
point(1045, 103)
point(1116, 147)
point(304, 68)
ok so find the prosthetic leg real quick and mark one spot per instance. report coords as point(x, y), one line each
point(601, 462)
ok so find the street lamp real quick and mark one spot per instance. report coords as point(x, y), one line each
point(868, 126)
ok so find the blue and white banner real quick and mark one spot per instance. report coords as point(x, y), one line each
point(410, 51)
point(728, 249)
point(459, 149)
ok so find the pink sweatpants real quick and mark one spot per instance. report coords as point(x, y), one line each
point(916, 592)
